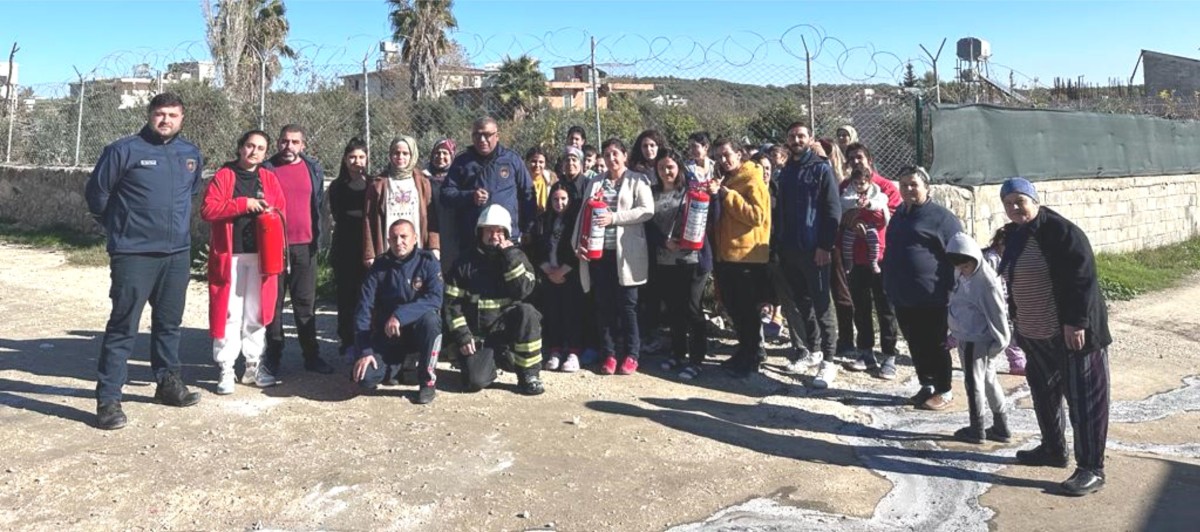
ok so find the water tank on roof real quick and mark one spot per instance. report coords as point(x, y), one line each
point(974, 49)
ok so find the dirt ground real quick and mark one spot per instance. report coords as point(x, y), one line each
point(594, 453)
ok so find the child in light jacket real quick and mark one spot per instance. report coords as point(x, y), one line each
point(978, 319)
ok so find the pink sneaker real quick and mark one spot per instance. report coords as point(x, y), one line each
point(610, 365)
point(1016, 361)
point(628, 366)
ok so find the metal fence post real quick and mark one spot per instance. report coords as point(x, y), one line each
point(367, 105)
point(595, 93)
point(920, 126)
point(79, 115)
point(812, 111)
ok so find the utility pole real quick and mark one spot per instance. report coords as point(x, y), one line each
point(10, 101)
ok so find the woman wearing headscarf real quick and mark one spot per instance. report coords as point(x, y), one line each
point(399, 193)
point(439, 165)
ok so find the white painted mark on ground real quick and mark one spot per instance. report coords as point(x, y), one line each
point(251, 407)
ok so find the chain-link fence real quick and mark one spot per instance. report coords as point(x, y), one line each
point(744, 86)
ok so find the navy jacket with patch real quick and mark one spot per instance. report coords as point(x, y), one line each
point(141, 193)
point(503, 174)
point(406, 288)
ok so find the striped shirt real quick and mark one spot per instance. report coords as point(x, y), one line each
point(610, 197)
point(1029, 284)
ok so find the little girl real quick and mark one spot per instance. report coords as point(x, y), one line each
point(991, 255)
point(865, 214)
point(561, 294)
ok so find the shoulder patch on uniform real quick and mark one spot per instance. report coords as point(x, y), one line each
point(505, 172)
point(191, 165)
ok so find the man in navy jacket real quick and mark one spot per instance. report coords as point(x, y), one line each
point(807, 214)
point(399, 313)
point(141, 193)
point(485, 174)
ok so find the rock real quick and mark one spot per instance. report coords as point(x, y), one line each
point(524, 514)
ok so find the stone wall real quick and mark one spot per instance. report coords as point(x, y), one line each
point(1118, 214)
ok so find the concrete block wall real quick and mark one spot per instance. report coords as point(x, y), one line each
point(1118, 214)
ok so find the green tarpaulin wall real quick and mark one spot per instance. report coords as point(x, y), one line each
point(983, 144)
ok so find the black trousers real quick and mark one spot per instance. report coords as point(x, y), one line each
point(866, 289)
point(810, 290)
point(925, 329)
point(616, 308)
point(682, 286)
point(562, 314)
point(348, 274)
point(161, 280)
point(421, 338)
point(514, 342)
point(301, 282)
point(743, 290)
point(1054, 373)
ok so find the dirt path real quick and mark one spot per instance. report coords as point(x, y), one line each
point(594, 453)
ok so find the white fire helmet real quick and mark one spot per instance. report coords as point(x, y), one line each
point(495, 215)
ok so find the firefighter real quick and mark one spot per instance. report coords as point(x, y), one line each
point(486, 309)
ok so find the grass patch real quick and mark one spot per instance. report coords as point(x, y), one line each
point(1124, 276)
point(82, 248)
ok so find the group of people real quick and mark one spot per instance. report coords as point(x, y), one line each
point(504, 263)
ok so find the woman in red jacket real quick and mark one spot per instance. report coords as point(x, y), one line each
point(241, 299)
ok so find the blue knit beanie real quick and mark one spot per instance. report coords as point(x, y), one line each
point(1019, 185)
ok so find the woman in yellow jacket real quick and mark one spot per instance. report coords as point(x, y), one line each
point(742, 243)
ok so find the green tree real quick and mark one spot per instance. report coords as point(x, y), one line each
point(241, 35)
point(420, 27)
point(519, 85)
point(910, 77)
point(770, 124)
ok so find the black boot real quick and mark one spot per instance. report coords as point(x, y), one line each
point(529, 382)
point(972, 433)
point(109, 416)
point(1042, 456)
point(1083, 482)
point(425, 395)
point(999, 429)
point(172, 392)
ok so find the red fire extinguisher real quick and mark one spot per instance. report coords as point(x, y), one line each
point(271, 244)
point(591, 234)
point(695, 217)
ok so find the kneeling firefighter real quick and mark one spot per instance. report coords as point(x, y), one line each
point(486, 310)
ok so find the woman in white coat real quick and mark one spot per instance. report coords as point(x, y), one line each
point(623, 267)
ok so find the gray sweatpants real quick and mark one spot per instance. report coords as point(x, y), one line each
point(979, 372)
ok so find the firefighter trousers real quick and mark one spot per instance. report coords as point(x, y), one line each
point(513, 343)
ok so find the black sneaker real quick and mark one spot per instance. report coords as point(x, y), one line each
point(970, 434)
point(318, 365)
point(1083, 482)
point(999, 429)
point(425, 395)
point(109, 416)
point(172, 392)
point(1041, 456)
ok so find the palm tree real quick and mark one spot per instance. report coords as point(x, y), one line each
point(519, 85)
point(243, 33)
point(420, 28)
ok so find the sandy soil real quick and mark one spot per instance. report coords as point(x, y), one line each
point(594, 453)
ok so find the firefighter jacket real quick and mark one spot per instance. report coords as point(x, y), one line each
point(480, 286)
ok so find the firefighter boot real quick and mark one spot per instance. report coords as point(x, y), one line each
point(529, 383)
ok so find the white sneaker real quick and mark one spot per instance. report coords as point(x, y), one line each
point(251, 375)
point(826, 375)
point(803, 363)
point(225, 382)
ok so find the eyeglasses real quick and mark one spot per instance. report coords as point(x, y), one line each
point(484, 134)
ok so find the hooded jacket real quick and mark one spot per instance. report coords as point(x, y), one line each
point(978, 312)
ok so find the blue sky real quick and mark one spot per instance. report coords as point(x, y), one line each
point(1098, 40)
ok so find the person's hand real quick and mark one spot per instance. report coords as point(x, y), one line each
point(604, 219)
point(1074, 337)
point(467, 349)
point(862, 202)
point(505, 244)
point(581, 254)
point(392, 327)
point(821, 257)
point(368, 263)
point(256, 205)
point(672, 245)
point(481, 196)
point(360, 367)
point(860, 229)
point(713, 186)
